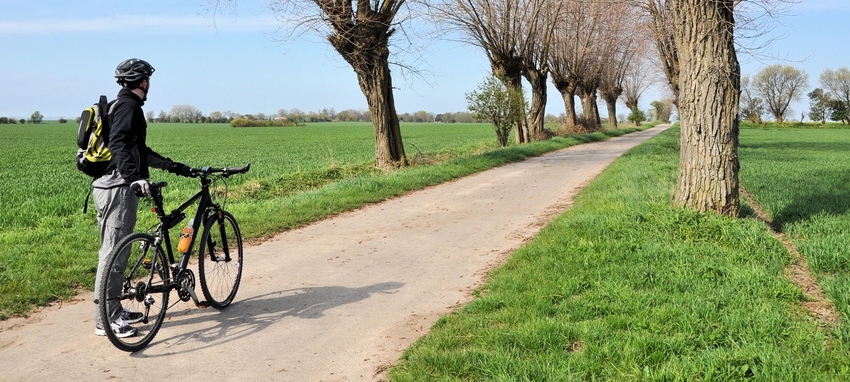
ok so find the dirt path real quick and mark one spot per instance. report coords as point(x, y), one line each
point(338, 300)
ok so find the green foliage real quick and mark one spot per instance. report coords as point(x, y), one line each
point(839, 111)
point(662, 110)
point(36, 117)
point(637, 116)
point(492, 101)
point(818, 105)
point(625, 287)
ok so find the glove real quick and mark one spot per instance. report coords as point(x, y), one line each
point(180, 169)
point(141, 187)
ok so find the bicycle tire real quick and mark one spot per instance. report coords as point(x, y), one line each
point(220, 259)
point(144, 288)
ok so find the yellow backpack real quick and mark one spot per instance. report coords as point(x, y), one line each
point(93, 156)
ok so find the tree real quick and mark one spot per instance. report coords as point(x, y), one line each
point(662, 109)
point(619, 48)
point(708, 94)
point(360, 32)
point(496, 103)
point(779, 85)
point(751, 107)
point(638, 78)
point(536, 72)
point(185, 113)
point(662, 29)
point(573, 57)
point(637, 116)
point(838, 84)
point(36, 117)
point(839, 111)
point(819, 105)
point(504, 30)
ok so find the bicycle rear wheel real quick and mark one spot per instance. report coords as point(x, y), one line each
point(137, 282)
point(220, 260)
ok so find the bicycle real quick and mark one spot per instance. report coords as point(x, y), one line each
point(144, 270)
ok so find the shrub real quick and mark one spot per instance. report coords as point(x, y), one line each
point(245, 122)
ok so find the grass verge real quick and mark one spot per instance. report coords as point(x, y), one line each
point(624, 286)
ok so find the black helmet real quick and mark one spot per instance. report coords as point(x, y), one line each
point(132, 71)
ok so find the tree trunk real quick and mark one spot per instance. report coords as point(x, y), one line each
point(709, 91)
point(537, 112)
point(611, 94)
point(611, 102)
point(568, 93)
point(377, 87)
point(587, 93)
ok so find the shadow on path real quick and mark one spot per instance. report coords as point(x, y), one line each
point(253, 315)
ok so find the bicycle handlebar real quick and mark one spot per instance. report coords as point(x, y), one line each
point(225, 172)
point(206, 171)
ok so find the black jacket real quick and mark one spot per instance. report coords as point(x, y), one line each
point(127, 139)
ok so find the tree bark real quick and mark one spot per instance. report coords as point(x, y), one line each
point(537, 111)
point(377, 87)
point(587, 93)
point(709, 89)
point(568, 92)
point(611, 101)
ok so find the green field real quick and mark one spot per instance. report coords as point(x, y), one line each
point(626, 287)
point(801, 177)
point(48, 247)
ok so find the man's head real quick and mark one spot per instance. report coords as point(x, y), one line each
point(134, 74)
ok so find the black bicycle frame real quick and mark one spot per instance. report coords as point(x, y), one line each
point(177, 215)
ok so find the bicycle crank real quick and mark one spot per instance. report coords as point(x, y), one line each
point(186, 288)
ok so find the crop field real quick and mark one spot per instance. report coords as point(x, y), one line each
point(801, 177)
point(39, 179)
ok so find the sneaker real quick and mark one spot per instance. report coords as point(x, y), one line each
point(131, 317)
point(119, 327)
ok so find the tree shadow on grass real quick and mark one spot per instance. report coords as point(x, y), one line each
point(826, 195)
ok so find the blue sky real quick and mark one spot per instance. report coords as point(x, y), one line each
point(59, 55)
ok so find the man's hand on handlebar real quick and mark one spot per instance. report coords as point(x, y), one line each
point(141, 187)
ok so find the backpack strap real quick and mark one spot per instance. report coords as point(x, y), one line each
point(86, 203)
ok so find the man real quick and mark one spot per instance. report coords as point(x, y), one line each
point(116, 194)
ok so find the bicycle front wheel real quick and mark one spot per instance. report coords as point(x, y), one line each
point(134, 292)
point(220, 259)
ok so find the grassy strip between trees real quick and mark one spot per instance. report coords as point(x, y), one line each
point(624, 286)
point(56, 256)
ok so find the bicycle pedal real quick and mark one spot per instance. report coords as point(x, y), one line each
point(203, 304)
point(146, 264)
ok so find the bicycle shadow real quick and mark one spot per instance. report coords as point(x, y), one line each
point(255, 314)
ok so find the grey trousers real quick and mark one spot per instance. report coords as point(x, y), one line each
point(116, 217)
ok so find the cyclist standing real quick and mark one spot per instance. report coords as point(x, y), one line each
point(116, 194)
